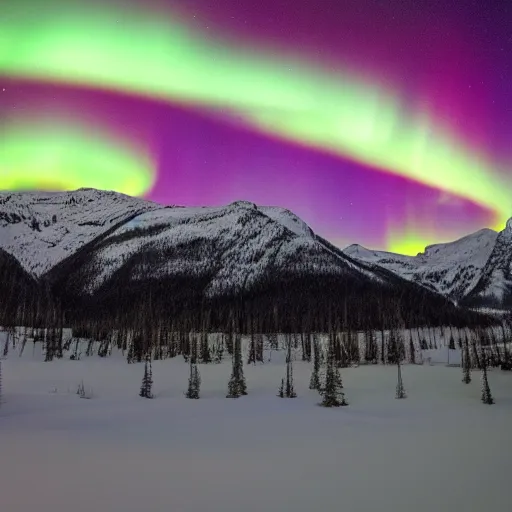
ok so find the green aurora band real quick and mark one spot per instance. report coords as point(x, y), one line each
point(158, 56)
point(43, 156)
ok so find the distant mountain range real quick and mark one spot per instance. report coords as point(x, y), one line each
point(475, 271)
point(105, 255)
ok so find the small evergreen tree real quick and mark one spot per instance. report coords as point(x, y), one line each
point(466, 364)
point(237, 386)
point(280, 393)
point(333, 395)
point(252, 350)
point(147, 380)
point(400, 390)
point(289, 391)
point(486, 390)
point(412, 351)
point(451, 345)
point(194, 382)
point(314, 382)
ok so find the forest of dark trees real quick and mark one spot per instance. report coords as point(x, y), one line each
point(281, 301)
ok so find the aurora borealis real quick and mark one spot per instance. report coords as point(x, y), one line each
point(377, 123)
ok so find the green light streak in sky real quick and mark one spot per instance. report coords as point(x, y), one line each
point(64, 157)
point(158, 56)
point(412, 238)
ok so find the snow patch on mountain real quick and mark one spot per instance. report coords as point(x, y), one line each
point(287, 219)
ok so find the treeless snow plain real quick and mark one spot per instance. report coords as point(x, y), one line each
point(439, 450)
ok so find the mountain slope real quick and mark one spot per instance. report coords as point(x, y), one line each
point(40, 229)
point(452, 269)
point(494, 286)
point(234, 245)
point(18, 289)
point(237, 256)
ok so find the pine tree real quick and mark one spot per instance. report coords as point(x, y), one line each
point(466, 364)
point(314, 382)
point(241, 378)
point(280, 393)
point(486, 390)
point(194, 382)
point(237, 386)
point(289, 391)
point(400, 390)
point(259, 348)
point(147, 380)
point(150, 380)
point(451, 345)
point(412, 351)
point(333, 395)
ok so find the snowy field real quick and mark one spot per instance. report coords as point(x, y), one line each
point(439, 450)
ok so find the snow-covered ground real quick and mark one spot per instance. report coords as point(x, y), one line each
point(439, 450)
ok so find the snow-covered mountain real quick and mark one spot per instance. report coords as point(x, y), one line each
point(42, 228)
point(494, 285)
point(103, 251)
point(452, 269)
point(233, 247)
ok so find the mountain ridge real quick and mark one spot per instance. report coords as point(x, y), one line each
point(464, 270)
point(110, 255)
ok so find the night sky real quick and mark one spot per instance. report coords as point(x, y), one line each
point(381, 122)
